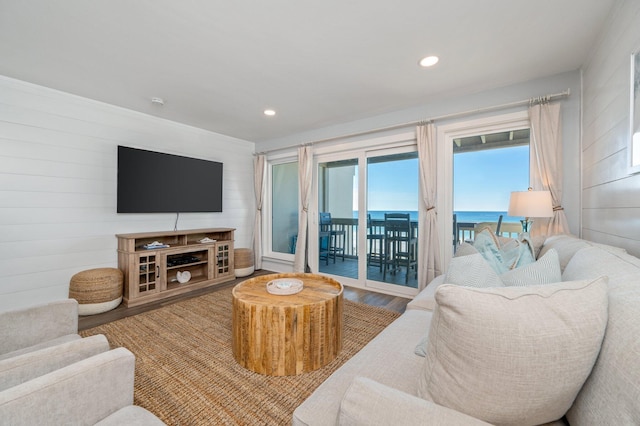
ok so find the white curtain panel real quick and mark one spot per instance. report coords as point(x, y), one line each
point(428, 241)
point(258, 187)
point(305, 164)
point(546, 164)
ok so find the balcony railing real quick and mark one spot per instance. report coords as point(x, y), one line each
point(465, 232)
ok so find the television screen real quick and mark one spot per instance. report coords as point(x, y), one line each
point(153, 182)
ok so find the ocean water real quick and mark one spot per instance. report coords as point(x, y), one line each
point(462, 216)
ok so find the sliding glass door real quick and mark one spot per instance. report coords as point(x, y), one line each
point(392, 218)
point(338, 217)
point(356, 194)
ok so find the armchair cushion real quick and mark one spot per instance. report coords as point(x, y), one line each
point(25, 367)
point(131, 415)
point(513, 355)
point(46, 344)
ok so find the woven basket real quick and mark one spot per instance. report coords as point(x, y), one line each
point(243, 262)
point(96, 290)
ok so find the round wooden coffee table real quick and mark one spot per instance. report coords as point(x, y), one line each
point(286, 335)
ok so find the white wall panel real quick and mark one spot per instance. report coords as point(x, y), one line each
point(615, 142)
point(58, 184)
point(610, 196)
point(608, 169)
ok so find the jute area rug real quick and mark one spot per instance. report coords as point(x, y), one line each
point(186, 373)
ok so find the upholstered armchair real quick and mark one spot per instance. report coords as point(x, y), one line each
point(50, 375)
point(28, 329)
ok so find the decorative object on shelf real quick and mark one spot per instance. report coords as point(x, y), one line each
point(244, 263)
point(530, 204)
point(96, 290)
point(155, 245)
point(207, 240)
point(285, 286)
point(183, 277)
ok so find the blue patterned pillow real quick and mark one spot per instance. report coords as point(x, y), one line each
point(512, 254)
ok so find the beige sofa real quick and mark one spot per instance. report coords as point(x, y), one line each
point(385, 382)
point(50, 375)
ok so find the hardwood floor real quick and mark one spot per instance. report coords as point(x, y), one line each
point(397, 304)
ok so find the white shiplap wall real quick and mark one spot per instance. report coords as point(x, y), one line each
point(58, 169)
point(610, 196)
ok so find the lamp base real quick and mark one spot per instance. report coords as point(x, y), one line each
point(526, 225)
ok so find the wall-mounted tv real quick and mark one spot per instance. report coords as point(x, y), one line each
point(154, 182)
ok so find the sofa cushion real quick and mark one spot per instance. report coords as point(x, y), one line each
point(369, 403)
point(425, 300)
point(612, 392)
point(472, 271)
point(594, 261)
point(566, 246)
point(388, 359)
point(545, 270)
point(537, 241)
point(513, 355)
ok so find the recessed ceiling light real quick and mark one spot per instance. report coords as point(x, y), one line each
point(157, 101)
point(269, 112)
point(429, 61)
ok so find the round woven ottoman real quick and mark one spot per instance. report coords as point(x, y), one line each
point(243, 262)
point(96, 290)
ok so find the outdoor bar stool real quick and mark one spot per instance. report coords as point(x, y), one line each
point(331, 236)
point(375, 238)
point(399, 244)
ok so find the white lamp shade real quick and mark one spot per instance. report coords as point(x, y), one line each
point(530, 204)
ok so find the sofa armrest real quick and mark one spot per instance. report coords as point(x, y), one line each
point(368, 402)
point(82, 393)
point(25, 367)
point(425, 300)
point(29, 326)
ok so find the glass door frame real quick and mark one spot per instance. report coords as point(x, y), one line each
point(445, 136)
point(397, 144)
point(267, 223)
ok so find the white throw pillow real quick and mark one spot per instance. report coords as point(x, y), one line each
point(472, 271)
point(513, 355)
point(545, 270)
point(465, 249)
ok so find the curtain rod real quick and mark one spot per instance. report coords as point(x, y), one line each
point(539, 99)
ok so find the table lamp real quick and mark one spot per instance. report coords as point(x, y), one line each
point(530, 204)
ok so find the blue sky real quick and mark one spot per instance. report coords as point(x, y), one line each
point(483, 180)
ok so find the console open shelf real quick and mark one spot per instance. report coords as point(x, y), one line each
point(151, 273)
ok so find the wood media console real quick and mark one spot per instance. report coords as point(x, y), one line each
point(152, 273)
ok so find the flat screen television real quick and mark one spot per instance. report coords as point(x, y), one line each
point(154, 182)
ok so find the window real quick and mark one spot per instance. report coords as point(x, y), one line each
point(284, 207)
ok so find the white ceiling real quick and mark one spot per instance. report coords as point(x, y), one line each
point(218, 64)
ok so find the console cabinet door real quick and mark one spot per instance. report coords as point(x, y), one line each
point(147, 279)
point(224, 259)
